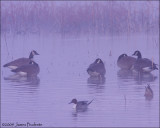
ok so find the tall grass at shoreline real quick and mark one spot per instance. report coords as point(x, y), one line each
point(92, 17)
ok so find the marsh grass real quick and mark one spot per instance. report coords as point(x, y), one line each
point(92, 17)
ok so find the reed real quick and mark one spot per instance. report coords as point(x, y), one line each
point(92, 17)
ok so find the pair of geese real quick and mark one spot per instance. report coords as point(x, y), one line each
point(28, 67)
point(125, 62)
point(24, 66)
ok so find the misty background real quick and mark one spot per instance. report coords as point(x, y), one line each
point(79, 17)
point(69, 36)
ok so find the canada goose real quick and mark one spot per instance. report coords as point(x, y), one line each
point(80, 104)
point(125, 62)
point(31, 69)
point(143, 64)
point(97, 68)
point(148, 92)
point(21, 61)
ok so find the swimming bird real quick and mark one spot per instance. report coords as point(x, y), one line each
point(125, 62)
point(21, 61)
point(29, 70)
point(148, 92)
point(143, 64)
point(80, 104)
point(97, 68)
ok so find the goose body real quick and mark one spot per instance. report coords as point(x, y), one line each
point(97, 68)
point(31, 69)
point(125, 62)
point(143, 64)
point(21, 61)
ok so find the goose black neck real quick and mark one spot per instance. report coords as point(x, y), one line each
point(31, 56)
point(139, 56)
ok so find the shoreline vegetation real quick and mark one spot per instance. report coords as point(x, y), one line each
point(71, 18)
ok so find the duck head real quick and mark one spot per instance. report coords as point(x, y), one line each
point(73, 101)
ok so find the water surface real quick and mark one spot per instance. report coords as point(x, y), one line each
point(118, 100)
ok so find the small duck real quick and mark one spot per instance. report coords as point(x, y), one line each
point(143, 64)
point(29, 70)
point(21, 61)
point(148, 92)
point(125, 62)
point(80, 104)
point(97, 68)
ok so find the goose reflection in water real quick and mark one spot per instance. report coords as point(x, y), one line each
point(144, 77)
point(138, 77)
point(124, 73)
point(96, 80)
point(23, 80)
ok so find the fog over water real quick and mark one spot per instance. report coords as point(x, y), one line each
point(69, 37)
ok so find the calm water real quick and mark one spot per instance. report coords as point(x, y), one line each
point(118, 100)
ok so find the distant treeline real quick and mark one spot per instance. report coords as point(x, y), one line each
point(91, 18)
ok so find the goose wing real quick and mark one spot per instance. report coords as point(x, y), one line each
point(97, 67)
point(18, 62)
point(28, 68)
point(145, 63)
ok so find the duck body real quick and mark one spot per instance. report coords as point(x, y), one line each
point(143, 65)
point(21, 61)
point(80, 104)
point(31, 69)
point(97, 68)
point(125, 62)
